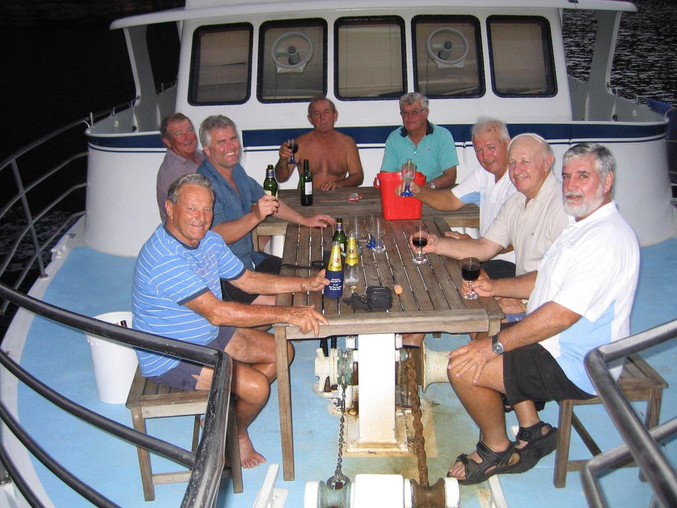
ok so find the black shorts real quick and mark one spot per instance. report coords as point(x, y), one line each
point(531, 373)
point(270, 265)
point(499, 268)
point(181, 376)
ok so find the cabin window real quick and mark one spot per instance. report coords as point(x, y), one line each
point(292, 60)
point(521, 56)
point(163, 49)
point(370, 58)
point(448, 56)
point(221, 64)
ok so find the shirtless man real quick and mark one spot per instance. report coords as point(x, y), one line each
point(333, 157)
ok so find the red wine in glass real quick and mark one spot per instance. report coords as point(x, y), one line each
point(294, 147)
point(470, 271)
point(420, 239)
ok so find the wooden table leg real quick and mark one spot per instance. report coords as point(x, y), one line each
point(284, 396)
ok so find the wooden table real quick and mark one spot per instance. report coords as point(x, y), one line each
point(335, 203)
point(430, 301)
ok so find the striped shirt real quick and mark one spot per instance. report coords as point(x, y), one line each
point(169, 274)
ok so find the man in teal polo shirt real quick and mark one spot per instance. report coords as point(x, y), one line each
point(429, 146)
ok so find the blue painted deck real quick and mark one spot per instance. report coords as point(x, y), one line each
point(92, 283)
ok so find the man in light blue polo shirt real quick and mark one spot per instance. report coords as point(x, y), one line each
point(430, 147)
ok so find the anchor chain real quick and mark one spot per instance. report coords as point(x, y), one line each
point(339, 480)
point(419, 440)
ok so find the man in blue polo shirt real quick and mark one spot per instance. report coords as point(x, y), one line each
point(430, 147)
point(177, 294)
point(240, 204)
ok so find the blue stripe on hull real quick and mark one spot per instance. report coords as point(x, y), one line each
point(377, 135)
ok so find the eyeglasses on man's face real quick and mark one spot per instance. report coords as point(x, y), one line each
point(413, 112)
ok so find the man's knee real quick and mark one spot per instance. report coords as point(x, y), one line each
point(256, 389)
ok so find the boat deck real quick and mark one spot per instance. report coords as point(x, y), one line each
point(92, 283)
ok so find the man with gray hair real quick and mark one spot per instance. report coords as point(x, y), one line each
point(488, 187)
point(530, 220)
point(182, 157)
point(176, 293)
point(580, 298)
point(240, 204)
point(430, 147)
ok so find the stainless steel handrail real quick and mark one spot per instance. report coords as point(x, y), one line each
point(208, 461)
point(639, 442)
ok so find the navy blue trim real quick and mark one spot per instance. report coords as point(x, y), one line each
point(244, 269)
point(255, 139)
point(131, 141)
point(193, 296)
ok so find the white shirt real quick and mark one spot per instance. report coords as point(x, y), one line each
point(480, 187)
point(592, 270)
point(532, 226)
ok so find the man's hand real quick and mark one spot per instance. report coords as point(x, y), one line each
point(413, 187)
point(307, 319)
point(430, 248)
point(318, 221)
point(285, 152)
point(471, 358)
point(265, 206)
point(315, 282)
point(328, 186)
point(483, 286)
point(457, 236)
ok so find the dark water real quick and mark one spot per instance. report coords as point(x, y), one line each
point(54, 74)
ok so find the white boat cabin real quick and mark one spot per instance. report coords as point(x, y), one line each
point(260, 63)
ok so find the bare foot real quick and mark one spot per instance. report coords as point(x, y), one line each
point(249, 457)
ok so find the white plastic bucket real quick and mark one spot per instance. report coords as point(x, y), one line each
point(114, 365)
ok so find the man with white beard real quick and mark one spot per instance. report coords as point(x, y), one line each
point(579, 298)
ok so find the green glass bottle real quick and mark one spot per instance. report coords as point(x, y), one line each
point(306, 185)
point(270, 186)
point(340, 235)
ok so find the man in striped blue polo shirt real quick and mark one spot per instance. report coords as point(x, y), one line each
point(177, 294)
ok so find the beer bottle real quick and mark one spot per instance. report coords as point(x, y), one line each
point(340, 235)
point(334, 273)
point(270, 184)
point(306, 185)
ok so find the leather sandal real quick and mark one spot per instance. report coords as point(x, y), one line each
point(537, 446)
point(492, 463)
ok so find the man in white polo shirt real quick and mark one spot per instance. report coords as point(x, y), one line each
point(580, 298)
point(488, 187)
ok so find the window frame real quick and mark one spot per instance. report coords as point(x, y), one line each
point(195, 60)
point(342, 21)
point(311, 22)
point(550, 64)
point(428, 18)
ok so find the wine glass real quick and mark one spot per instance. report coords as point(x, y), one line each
point(294, 147)
point(379, 232)
point(420, 240)
point(470, 271)
point(368, 229)
point(408, 175)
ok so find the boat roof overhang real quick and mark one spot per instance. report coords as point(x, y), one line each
point(204, 9)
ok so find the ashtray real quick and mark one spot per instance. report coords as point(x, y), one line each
point(354, 197)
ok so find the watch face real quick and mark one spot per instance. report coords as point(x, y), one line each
point(497, 347)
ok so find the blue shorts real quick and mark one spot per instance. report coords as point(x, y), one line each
point(181, 376)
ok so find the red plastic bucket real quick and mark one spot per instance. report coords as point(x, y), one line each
point(394, 206)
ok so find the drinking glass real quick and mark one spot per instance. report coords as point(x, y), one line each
point(379, 233)
point(470, 271)
point(294, 147)
point(352, 277)
point(368, 230)
point(420, 240)
point(408, 175)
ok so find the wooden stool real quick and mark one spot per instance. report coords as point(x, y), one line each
point(638, 381)
point(148, 399)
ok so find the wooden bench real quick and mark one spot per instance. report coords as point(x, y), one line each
point(148, 399)
point(639, 382)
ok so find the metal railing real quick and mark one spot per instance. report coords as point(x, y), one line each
point(640, 443)
point(208, 461)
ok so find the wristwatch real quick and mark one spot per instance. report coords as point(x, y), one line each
point(496, 346)
point(432, 185)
